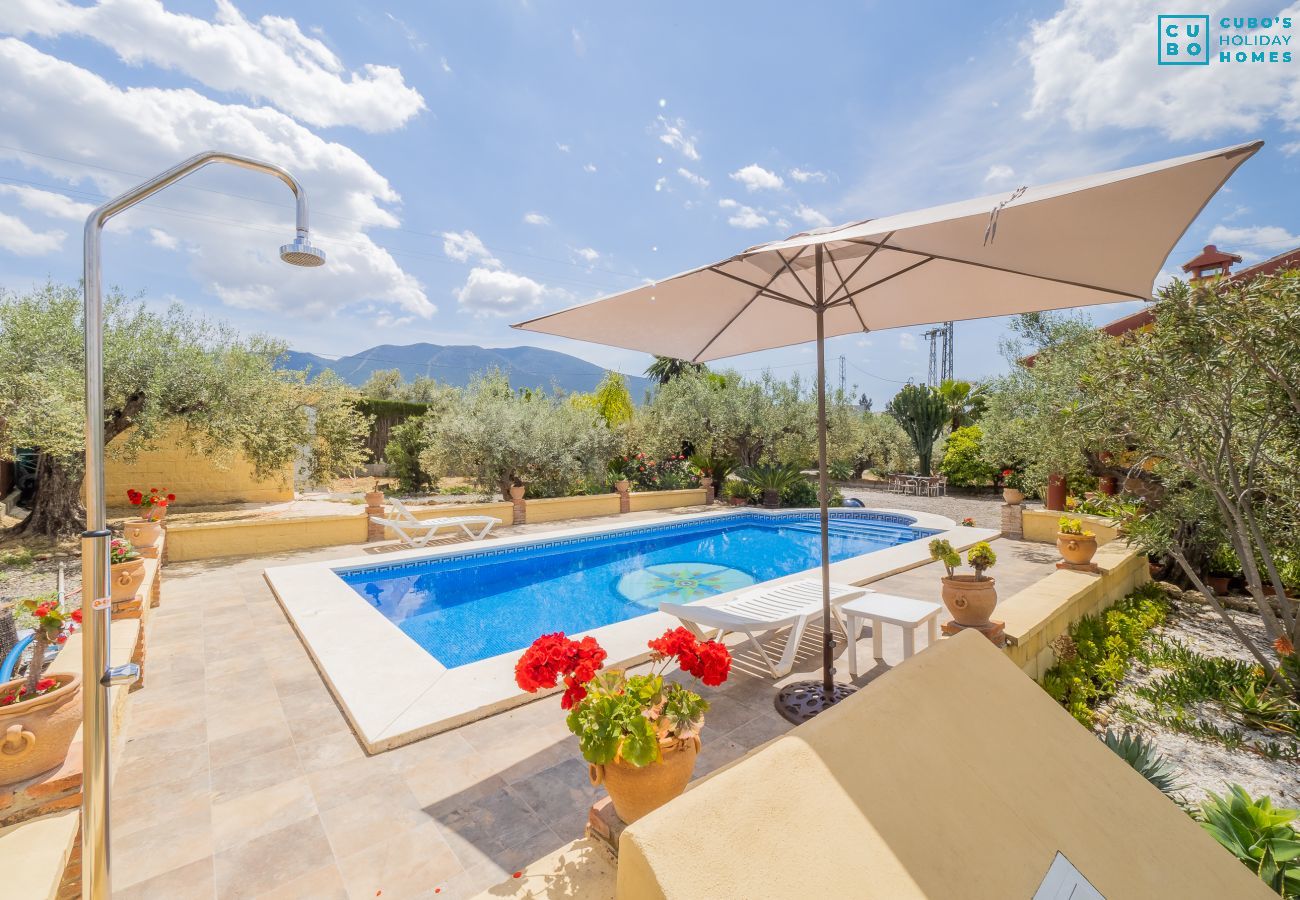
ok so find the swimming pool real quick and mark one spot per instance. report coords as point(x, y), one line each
point(469, 606)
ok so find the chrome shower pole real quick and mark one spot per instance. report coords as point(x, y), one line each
point(97, 675)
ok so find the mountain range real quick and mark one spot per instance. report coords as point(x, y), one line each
point(456, 365)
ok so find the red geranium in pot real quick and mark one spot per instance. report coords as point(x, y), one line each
point(153, 505)
point(639, 733)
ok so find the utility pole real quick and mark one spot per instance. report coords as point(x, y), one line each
point(941, 350)
point(948, 342)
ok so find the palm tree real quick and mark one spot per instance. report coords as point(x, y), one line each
point(965, 402)
point(665, 368)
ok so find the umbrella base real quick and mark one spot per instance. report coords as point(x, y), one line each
point(800, 701)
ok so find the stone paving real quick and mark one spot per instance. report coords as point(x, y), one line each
point(241, 778)
point(985, 510)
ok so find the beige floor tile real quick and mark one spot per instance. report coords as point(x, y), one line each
point(192, 881)
point(149, 804)
point(372, 817)
point(161, 847)
point(243, 817)
point(142, 772)
point(406, 864)
point(254, 773)
point(272, 860)
point(258, 739)
point(227, 719)
point(322, 884)
point(326, 752)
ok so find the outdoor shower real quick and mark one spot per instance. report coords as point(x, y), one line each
point(95, 590)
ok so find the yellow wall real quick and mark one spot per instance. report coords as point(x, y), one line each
point(665, 499)
point(553, 508)
point(1041, 525)
point(194, 479)
point(951, 776)
point(204, 540)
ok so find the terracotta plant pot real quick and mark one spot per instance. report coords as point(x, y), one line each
point(771, 499)
point(126, 578)
point(739, 501)
point(970, 602)
point(143, 535)
point(517, 491)
point(35, 734)
point(623, 486)
point(1218, 583)
point(154, 514)
point(1012, 496)
point(636, 792)
point(1076, 549)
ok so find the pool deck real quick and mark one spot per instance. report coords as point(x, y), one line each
point(394, 691)
point(241, 776)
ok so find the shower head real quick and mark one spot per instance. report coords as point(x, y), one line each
point(301, 253)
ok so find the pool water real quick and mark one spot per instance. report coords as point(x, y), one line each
point(469, 606)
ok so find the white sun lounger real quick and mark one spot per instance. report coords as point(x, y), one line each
point(759, 613)
point(418, 532)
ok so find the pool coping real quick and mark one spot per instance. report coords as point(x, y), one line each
point(393, 692)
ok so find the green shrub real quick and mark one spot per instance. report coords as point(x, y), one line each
point(800, 492)
point(1144, 759)
point(962, 462)
point(18, 557)
point(839, 470)
point(1258, 835)
point(405, 444)
point(1094, 656)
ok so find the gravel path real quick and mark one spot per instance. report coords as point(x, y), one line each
point(986, 511)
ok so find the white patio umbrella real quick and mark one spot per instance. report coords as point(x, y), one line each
point(1086, 241)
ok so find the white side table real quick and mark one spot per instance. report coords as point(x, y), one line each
point(905, 612)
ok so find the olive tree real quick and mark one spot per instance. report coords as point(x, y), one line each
point(1209, 399)
point(164, 372)
point(505, 438)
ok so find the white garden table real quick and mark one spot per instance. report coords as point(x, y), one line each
point(905, 612)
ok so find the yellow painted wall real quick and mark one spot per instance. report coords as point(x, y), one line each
point(194, 479)
point(951, 776)
point(666, 499)
point(255, 537)
point(1041, 525)
point(1042, 612)
point(552, 508)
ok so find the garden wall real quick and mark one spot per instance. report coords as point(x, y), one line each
point(193, 478)
point(666, 499)
point(1046, 609)
point(205, 540)
point(551, 509)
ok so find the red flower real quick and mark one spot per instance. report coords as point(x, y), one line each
point(76, 616)
point(1284, 647)
point(42, 611)
point(62, 639)
point(45, 684)
point(715, 663)
point(574, 692)
point(171, 498)
point(1007, 473)
point(553, 656)
point(153, 490)
point(674, 642)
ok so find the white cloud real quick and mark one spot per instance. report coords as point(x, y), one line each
point(1092, 65)
point(743, 216)
point(579, 44)
point(999, 173)
point(673, 133)
point(19, 238)
point(810, 216)
point(1253, 242)
point(907, 341)
point(269, 60)
point(536, 218)
point(387, 320)
point(51, 105)
point(587, 253)
point(754, 177)
point(661, 184)
point(446, 66)
point(163, 239)
point(465, 246)
point(662, 102)
point(803, 175)
point(489, 292)
point(1290, 149)
point(589, 168)
point(563, 148)
point(697, 180)
point(48, 203)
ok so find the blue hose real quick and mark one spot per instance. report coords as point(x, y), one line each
point(11, 659)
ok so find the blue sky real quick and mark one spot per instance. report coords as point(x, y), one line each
point(474, 164)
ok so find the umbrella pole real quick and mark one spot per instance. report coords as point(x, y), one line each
point(801, 700)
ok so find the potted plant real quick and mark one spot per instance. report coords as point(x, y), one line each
point(39, 715)
point(1221, 566)
point(126, 572)
point(770, 481)
point(1012, 487)
point(620, 473)
point(970, 598)
point(640, 734)
point(737, 492)
point(153, 505)
point(1077, 544)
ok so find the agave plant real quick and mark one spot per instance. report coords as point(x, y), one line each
point(1258, 835)
point(715, 467)
point(1260, 708)
point(770, 480)
point(839, 470)
point(1144, 759)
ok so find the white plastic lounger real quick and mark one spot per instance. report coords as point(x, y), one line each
point(417, 532)
point(759, 613)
